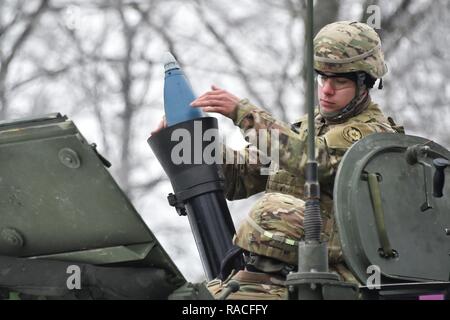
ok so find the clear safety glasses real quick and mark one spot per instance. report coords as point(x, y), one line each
point(336, 82)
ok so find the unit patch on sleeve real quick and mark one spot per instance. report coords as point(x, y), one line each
point(351, 134)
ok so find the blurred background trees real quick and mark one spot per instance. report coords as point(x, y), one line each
point(100, 63)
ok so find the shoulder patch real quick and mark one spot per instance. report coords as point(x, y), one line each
point(351, 134)
point(344, 136)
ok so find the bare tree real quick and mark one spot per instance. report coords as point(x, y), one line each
point(7, 56)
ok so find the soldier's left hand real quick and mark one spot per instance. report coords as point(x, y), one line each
point(217, 100)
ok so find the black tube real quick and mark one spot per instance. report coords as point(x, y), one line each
point(198, 187)
point(212, 238)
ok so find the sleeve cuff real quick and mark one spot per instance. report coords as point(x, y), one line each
point(244, 108)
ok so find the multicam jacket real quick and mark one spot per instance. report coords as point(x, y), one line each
point(287, 175)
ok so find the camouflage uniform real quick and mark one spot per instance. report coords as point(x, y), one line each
point(266, 231)
point(272, 229)
point(253, 286)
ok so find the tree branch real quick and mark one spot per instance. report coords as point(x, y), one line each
point(21, 39)
point(245, 79)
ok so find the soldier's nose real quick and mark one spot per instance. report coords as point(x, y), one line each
point(327, 88)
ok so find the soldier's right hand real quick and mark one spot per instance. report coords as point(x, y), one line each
point(218, 100)
point(162, 124)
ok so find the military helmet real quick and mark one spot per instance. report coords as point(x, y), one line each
point(345, 46)
point(273, 228)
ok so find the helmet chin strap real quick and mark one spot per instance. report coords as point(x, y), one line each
point(357, 105)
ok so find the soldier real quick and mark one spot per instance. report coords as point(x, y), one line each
point(348, 60)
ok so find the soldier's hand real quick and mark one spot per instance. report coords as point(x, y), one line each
point(217, 100)
point(162, 124)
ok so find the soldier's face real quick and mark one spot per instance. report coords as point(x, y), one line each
point(335, 92)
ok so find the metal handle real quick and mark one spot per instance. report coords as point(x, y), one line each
point(439, 176)
point(386, 250)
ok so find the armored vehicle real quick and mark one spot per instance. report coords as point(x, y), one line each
point(64, 216)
